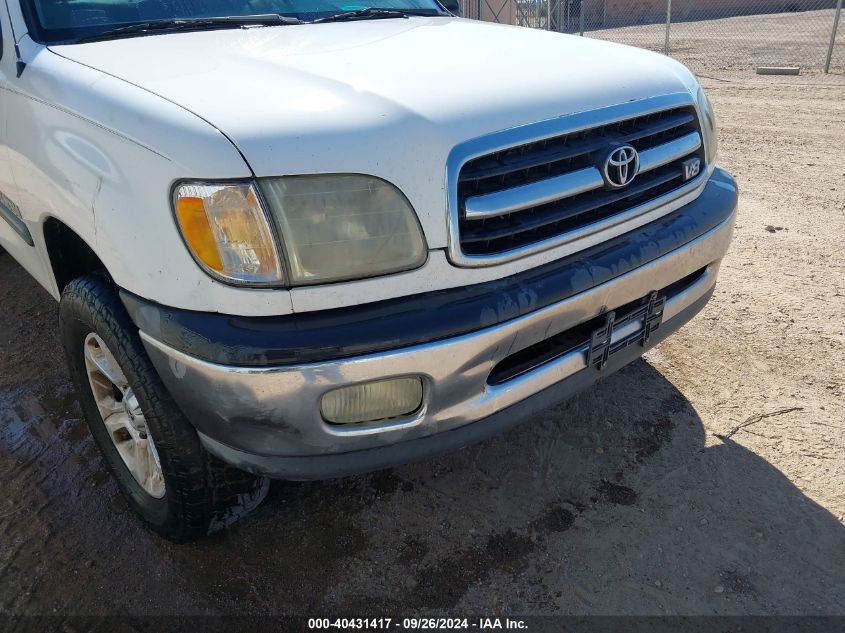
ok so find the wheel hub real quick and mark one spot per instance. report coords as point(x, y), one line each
point(122, 416)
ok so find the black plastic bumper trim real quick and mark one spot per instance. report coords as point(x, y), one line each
point(405, 321)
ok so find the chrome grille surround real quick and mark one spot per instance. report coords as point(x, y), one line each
point(583, 179)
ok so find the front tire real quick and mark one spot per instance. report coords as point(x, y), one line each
point(178, 488)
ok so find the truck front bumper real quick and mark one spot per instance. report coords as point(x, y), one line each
point(264, 416)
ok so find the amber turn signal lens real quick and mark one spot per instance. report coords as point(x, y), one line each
point(197, 232)
point(226, 229)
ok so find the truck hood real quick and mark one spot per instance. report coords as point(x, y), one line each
point(388, 97)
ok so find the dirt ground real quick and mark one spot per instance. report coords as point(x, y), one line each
point(707, 479)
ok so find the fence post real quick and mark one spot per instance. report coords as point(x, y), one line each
point(833, 36)
point(581, 18)
point(548, 15)
point(668, 22)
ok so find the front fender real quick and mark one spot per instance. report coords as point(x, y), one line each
point(101, 155)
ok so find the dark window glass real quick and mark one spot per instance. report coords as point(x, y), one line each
point(54, 21)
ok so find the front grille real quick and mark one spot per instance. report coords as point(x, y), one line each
point(528, 193)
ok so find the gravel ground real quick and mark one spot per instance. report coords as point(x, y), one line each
point(708, 478)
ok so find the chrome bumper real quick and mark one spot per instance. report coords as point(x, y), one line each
point(275, 411)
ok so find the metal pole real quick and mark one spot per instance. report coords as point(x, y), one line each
point(581, 18)
point(833, 36)
point(548, 15)
point(668, 22)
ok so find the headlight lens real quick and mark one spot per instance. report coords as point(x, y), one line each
point(343, 227)
point(228, 233)
point(708, 126)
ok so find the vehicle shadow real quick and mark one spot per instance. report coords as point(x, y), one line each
point(610, 503)
point(615, 502)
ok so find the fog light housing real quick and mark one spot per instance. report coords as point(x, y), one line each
point(373, 401)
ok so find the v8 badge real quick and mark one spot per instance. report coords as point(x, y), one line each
point(691, 167)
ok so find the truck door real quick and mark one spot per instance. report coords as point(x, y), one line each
point(20, 234)
point(15, 236)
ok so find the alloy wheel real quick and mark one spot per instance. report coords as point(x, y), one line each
point(122, 416)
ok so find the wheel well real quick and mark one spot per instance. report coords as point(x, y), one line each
point(70, 256)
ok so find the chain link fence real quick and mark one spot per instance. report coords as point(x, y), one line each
point(707, 35)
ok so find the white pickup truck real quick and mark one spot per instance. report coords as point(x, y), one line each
point(302, 239)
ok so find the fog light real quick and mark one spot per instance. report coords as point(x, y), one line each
point(373, 401)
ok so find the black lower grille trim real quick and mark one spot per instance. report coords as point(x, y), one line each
point(565, 342)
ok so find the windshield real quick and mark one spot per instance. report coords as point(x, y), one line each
point(66, 21)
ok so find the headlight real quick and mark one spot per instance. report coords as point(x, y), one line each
point(331, 228)
point(228, 233)
point(343, 227)
point(708, 126)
